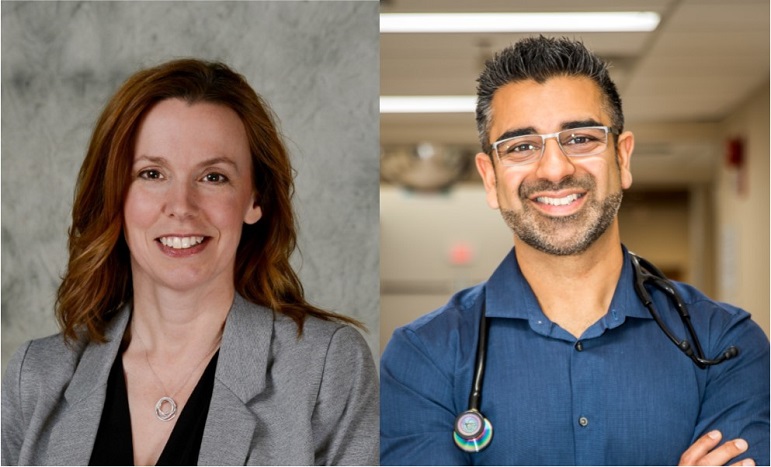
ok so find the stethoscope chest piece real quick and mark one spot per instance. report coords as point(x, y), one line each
point(473, 432)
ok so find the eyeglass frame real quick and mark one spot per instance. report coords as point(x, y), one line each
point(608, 131)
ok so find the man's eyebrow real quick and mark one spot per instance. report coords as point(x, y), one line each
point(516, 132)
point(580, 124)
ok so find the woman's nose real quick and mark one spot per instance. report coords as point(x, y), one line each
point(181, 201)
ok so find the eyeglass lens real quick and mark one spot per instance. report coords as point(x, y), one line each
point(576, 142)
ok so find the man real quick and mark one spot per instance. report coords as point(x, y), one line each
point(576, 368)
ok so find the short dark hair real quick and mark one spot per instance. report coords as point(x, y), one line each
point(539, 59)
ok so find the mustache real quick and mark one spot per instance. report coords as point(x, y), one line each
point(526, 190)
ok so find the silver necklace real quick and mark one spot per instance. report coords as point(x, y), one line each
point(166, 407)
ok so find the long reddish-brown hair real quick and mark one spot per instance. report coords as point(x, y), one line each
point(98, 278)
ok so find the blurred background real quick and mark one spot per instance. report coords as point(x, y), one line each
point(695, 91)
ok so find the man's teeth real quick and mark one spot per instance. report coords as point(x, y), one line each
point(179, 243)
point(558, 201)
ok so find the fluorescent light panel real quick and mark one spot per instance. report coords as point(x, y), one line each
point(630, 21)
point(427, 104)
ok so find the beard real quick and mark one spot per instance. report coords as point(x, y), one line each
point(563, 235)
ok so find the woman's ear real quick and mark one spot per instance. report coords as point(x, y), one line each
point(254, 212)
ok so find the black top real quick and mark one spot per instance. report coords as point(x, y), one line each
point(114, 446)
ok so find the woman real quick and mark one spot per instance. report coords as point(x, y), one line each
point(186, 338)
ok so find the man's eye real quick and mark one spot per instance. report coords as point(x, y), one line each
point(150, 174)
point(521, 147)
point(580, 139)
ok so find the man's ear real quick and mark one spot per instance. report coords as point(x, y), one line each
point(625, 147)
point(486, 170)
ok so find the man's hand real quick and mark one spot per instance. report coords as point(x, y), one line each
point(704, 452)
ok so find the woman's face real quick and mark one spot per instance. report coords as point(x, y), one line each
point(191, 191)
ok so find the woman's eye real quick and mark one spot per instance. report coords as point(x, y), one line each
point(215, 178)
point(150, 174)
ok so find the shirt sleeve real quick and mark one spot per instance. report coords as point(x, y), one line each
point(13, 425)
point(345, 420)
point(417, 410)
point(736, 396)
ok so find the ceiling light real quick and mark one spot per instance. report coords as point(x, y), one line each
point(427, 104)
point(630, 21)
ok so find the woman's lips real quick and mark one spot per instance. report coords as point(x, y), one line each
point(178, 243)
point(179, 246)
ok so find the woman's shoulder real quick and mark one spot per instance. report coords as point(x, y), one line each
point(317, 331)
point(337, 351)
point(56, 356)
point(319, 342)
point(39, 371)
point(46, 356)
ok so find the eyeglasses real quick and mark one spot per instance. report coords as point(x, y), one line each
point(575, 142)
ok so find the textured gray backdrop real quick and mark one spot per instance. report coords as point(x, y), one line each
point(316, 63)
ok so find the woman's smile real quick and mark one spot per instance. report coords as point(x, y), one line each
point(182, 246)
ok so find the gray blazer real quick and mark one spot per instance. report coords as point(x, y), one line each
point(277, 399)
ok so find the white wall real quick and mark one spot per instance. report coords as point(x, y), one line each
point(417, 233)
point(658, 232)
point(742, 218)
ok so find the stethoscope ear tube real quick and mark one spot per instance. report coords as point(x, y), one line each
point(645, 271)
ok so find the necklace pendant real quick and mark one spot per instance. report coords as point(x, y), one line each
point(170, 409)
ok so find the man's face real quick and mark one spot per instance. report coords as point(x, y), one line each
point(558, 205)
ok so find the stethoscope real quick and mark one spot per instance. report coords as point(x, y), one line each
point(473, 432)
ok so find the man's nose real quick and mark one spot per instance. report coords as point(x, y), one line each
point(554, 165)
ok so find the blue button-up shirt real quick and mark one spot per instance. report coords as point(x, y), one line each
point(620, 394)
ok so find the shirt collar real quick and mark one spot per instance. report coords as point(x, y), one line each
point(508, 295)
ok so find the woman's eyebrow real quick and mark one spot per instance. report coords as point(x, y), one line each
point(154, 159)
point(160, 160)
point(219, 160)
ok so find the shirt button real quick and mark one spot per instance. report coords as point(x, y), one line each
point(583, 421)
point(579, 346)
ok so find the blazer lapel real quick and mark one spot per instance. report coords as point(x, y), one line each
point(75, 433)
point(240, 376)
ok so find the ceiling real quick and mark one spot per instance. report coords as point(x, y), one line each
point(677, 83)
